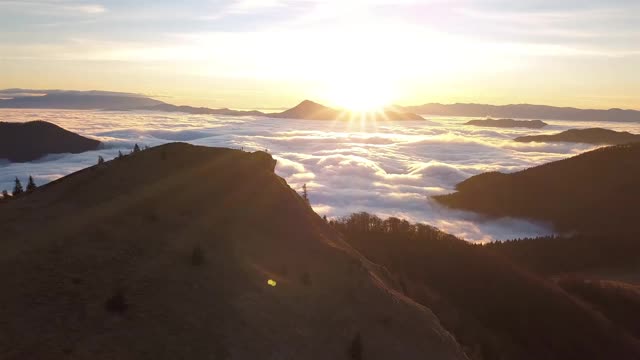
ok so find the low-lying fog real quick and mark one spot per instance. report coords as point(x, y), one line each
point(383, 168)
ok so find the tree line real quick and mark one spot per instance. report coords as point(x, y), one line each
point(19, 189)
point(494, 307)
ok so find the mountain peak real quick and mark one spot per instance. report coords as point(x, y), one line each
point(186, 251)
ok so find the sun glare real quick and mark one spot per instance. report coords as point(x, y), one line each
point(360, 95)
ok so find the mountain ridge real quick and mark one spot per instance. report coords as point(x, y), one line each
point(526, 111)
point(594, 192)
point(594, 136)
point(166, 253)
point(132, 101)
point(507, 123)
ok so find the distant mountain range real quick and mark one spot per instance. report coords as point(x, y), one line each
point(79, 100)
point(526, 111)
point(508, 123)
point(21, 142)
point(104, 100)
point(595, 136)
point(201, 110)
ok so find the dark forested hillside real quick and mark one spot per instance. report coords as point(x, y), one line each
point(20, 142)
point(595, 192)
point(494, 307)
point(595, 136)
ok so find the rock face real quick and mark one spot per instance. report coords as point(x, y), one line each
point(595, 136)
point(21, 142)
point(595, 192)
point(186, 252)
point(309, 110)
point(508, 123)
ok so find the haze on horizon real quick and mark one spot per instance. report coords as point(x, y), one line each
point(273, 53)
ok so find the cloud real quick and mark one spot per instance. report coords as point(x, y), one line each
point(390, 170)
point(54, 7)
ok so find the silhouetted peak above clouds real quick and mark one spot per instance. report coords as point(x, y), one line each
point(311, 110)
point(595, 136)
point(508, 123)
point(27, 141)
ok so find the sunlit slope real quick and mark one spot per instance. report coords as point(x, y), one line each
point(166, 254)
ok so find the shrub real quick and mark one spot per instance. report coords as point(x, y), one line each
point(117, 303)
point(305, 279)
point(355, 348)
point(197, 256)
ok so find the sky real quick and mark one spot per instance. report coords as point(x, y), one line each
point(275, 53)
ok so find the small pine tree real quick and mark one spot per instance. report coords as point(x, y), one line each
point(305, 279)
point(100, 160)
point(120, 155)
point(305, 195)
point(5, 195)
point(31, 185)
point(117, 303)
point(136, 148)
point(355, 349)
point(17, 188)
point(197, 256)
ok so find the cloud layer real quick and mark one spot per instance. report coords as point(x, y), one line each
point(384, 168)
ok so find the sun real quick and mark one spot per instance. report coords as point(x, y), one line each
point(361, 96)
point(360, 89)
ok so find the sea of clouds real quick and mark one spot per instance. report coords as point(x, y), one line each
point(384, 168)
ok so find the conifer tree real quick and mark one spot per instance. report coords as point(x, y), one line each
point(100, 160)
point(305, 195)
point(120, 155)
point(355, 348)
point(31, 185)
point(5, 195)
point(17, 188)
point(136, 148)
